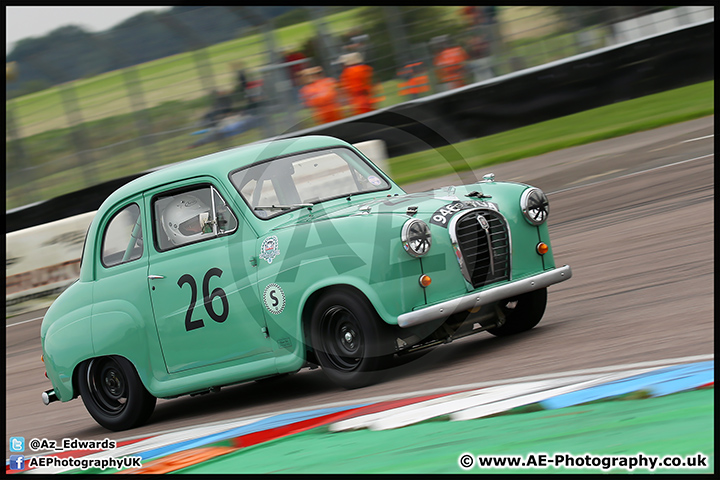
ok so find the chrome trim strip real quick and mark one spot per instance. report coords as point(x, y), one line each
point(483, 297)
point(491, 251)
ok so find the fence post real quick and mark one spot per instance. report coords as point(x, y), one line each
point(255, 18)
point(198, 51)
point(77, 133)
point(329, 50)
point(130, 76)
point(398, 37)
point(74, 120)
point(18, 156)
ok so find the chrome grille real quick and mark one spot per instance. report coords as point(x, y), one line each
point(484, 242)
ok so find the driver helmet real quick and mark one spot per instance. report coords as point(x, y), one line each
point(184, 218)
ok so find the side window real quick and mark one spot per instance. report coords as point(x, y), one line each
point(191, 216)
point(122, 240)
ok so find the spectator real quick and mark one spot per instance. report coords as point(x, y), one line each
point(480, 62)
point(474, 15)
point(320, 94)
point(294, 58)
point(414, 80)
point(228, 125)
point(357, 42)
point(356, 83)
point(221, 106)
point(241, 84)
point(450, 63)
point(254, 96)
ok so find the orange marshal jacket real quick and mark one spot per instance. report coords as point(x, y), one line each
point(321, 96)
point(356, 83)
point(450, 66)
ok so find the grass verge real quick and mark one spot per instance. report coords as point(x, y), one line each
point(645, 113)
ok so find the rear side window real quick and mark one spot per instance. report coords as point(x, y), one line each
point(122, 240)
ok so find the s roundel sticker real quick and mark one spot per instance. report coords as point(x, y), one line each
point(274, 299)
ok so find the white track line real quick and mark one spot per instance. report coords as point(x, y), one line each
point(418, 412)
point(698, 138)
point(632, 174)
point(490, 407)
point(24, 321)
point(435, 404)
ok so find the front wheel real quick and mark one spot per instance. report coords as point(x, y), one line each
point(520, 313)
point(350, 340)
point(113, 393)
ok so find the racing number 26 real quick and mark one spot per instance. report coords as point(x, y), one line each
point(208, 297)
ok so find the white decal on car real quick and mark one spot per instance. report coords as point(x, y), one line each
point(374, 180)
point(270, 248)
point(274, 299)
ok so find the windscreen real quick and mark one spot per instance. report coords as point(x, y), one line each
point(286, 183)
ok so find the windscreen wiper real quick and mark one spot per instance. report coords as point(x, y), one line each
point(283, 207)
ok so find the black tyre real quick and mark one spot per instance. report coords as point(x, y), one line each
point(351, 342)
point(113, 393)
point(521, 313)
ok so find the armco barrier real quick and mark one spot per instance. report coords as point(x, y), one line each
point(45, 259)
point(680, 57)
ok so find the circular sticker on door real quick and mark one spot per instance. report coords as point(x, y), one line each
point(270, 248)
point(274, 299)
point(374, 180)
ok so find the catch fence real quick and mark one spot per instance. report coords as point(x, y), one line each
point(88, 131)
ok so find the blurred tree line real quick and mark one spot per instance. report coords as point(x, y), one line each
point(396, 35)
point(71, 52)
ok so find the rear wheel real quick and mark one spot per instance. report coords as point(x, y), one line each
point(349, 339)
point(113, 393)
point(520, 313)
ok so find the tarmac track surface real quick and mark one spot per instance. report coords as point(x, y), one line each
point(632, 216)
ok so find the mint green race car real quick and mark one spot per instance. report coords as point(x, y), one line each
point(268, 258)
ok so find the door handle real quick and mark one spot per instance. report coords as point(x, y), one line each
point(155, 277)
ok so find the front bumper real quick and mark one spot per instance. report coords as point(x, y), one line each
point(477, 299)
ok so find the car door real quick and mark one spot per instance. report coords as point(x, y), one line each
point(202, 287)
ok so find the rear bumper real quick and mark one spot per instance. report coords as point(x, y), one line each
point(477, 299)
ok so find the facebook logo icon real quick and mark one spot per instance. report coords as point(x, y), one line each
point(17, 462)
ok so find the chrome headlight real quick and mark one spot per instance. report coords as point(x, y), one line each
point(416, 237)
point(534, 205)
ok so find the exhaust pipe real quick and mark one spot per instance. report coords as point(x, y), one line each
point(49, 396)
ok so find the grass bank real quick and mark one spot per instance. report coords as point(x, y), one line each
point(645, 113)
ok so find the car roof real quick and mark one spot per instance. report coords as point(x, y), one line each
point(221, 163)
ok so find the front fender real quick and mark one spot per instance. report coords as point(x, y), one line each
point(296, 359)
point(373, 296)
